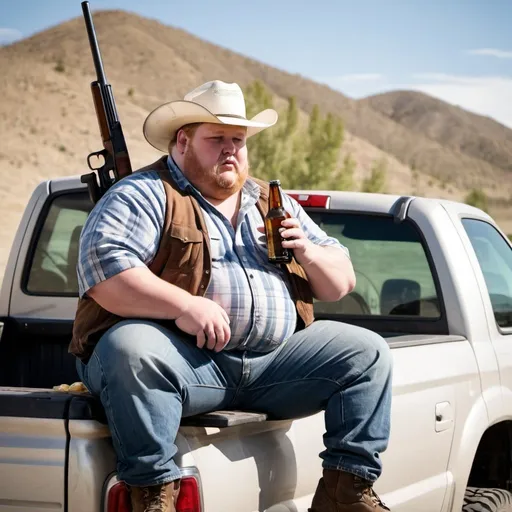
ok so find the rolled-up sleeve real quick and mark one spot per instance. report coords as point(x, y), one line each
point(312, 230)
point(123, 230)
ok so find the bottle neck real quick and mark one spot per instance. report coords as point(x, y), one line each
point(275, 199)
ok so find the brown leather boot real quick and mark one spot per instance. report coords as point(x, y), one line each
point(338, 491)
point(155, 498)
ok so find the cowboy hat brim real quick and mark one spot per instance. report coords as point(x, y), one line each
point(163, 122)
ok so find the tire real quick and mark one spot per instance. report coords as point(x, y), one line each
point(478, 499)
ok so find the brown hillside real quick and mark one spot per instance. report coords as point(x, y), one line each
point(48, 125)
point(474, 135)
point(159, 62)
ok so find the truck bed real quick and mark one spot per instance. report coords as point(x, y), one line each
point(46, 403)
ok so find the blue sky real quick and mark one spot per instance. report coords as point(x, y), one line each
point(457, 50)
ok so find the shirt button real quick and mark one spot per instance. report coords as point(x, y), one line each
point(202, 286)
point(206, 271)
point(251, 276)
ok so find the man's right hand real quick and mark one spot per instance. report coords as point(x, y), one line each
point(206, 320)
point(137, 292)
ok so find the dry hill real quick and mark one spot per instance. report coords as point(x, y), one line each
point(48, 126)
point(474, 135)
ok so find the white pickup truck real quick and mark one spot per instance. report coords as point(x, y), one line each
point(433, 277)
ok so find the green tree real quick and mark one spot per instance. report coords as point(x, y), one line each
point(300, 156)
point(345, 179)
point(264, 147)
point(257, 97)
point(292, 118)
point(314, 121)
point(325, 140)
point(315, 153)
point(376, 182)
point(478, 199)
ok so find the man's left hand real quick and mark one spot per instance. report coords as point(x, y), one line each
point(294, 238)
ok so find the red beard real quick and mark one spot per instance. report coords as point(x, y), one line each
point(210, 181)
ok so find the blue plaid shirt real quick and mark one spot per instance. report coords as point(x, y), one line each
point(124, 229)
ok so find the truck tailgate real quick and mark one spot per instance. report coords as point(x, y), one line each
point(33, 448)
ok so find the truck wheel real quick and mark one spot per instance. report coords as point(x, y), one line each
point(477, 499)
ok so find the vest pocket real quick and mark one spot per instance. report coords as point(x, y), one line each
point(186, 245)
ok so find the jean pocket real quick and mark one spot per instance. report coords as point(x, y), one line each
point(90, 374)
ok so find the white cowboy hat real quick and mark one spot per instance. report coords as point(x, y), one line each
point(213, 102)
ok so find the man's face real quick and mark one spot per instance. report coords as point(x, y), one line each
point(215, 159)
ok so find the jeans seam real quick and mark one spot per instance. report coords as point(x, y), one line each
point(246, 371)
point(342, 409)
point(107, 404)
point(209, 387)
point(297, 380)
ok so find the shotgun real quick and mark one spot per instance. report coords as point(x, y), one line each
point(116, 161)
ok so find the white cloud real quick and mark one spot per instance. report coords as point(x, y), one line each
point(487, 95)
point(492, 52)
point(9, 35)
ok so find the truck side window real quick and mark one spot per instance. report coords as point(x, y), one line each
point(393, 274)
point(494, 255)
point(52, 268)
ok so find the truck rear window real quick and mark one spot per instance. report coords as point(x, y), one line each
point(54, 255)
point(394, 275)
point(393, 272)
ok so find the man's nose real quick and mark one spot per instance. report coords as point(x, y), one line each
point(229, 148)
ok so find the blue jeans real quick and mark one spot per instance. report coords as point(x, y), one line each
point(148, 377)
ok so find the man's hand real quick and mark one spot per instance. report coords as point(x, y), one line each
point(294, 238)
point(329, 269)
point(207, 321)
point(139, 293)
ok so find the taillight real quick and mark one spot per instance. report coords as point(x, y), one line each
point(118, 499)
point(312, 200)
point(189, 499)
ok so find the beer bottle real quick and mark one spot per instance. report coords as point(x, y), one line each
point(275, 215)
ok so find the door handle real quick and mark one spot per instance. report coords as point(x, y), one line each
point(444, 416)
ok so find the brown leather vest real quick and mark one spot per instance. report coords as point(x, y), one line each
point(183, 259)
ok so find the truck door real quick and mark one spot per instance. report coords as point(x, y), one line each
point(493, 263)
point(398, 294)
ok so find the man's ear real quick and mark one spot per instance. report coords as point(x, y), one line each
point(182, 141)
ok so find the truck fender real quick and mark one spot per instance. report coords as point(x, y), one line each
point(463, 452)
